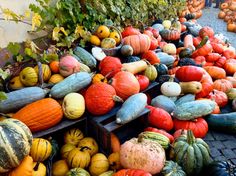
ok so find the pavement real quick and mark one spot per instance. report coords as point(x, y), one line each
point(223, 146)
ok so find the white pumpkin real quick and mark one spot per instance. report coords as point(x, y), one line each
point(170, 89)
point(73, 105)
point(169, 48)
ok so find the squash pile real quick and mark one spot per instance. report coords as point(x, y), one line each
point(228, 14)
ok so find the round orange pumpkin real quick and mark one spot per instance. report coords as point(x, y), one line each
point(222, 84)
point(140, 43)
point(230, 66)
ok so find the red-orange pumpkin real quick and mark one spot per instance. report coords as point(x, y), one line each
point(229, 54)
point(200, 60)
point(218, 48)
point(151, 57)
point(212, 57)
point(131, 172)
point(215, 72)
point(222, 85)
point(193, 73)
point(204, 50)
point(219, 97)
point(125, 84)
point(206, 31)
point(109, 66)
point(100, 98)
point(140, 43)
point(41, 114)
point(220, 62)
point(230, 66)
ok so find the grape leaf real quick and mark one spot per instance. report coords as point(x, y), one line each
point(14, 48)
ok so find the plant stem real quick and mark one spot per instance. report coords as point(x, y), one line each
point(25, 22)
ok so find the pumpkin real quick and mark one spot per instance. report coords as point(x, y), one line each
point(194, 155)
point(46, 72)
point(218, 48)
point(151, 57)
point(139, 153)
point(68, 65)
point(78, 157)
point(77, 172)
point(25, 168)
point(151, 72)
point(100, 98)
point(199, 126)
point(217, 168)
point(15, 83)
point(28, 76)
point(125, 84)
point(129, 30)
point(215, 72)
point(229, 54)
point(206, 31)
point(73, 136)
point(99, 164)
point(179, 132)
point(160, 118)
point(170, 34)
point(221, 62)
point(231, 26)
point(56, 78)
point(97, 78)
point(219, 97)
point(232, 80)
point(43, 116)
point(73, 105)
point(41, 149)
point(140, 43)
point(143, 81)
point(203, 51)
point(194, 73)
point(60, 168)
point(230, 66)
point(16, 146)
point(171, 168)
point(114, 161)
point(115, 143)
point(89, 145)
point(169, 48)
point(39, 169)
point(109, 66)
point(131, 172)
point(54, 66)
point(171, 89)
point(65, 150)
point(222, 85)
point(212, 57)
point(108, 43)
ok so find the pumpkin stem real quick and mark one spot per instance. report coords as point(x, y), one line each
point(85, 147)
point(36, 167)
point(140, 137)
point(146, 61)
point(190, 137)
point(203, 42)
point(117, 99)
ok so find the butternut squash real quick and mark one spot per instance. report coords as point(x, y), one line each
point(192, 87)
point(135, 67)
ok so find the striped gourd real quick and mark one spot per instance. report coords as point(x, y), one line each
point(40, 150)
point(19, 98)
point(160, 138)
point(191, 153)
point(72, 83)
point(41, 114)
point(15, 143)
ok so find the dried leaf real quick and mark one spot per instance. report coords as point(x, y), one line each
point(36, 21)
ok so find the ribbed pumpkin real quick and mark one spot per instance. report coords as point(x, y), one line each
point(78, 157)
point(73, 136)
point(39, 169)
point(56, 78)
point(65, 150)
point(140, 43)
point(100, 98)
point(109, 66)
point(194, 155)
point(99, 164)
point(41, 114)
point(206, 31)
point(41, 149)
point(46, 71)
point(28, 76)
point(89, 144)
point(125, 84)
point(222, 85)
point(16, 140)
point(167, 34)
point(73, 105)
point(172, 169)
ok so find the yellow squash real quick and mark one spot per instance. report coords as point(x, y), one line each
point(39, 169)
point(15, 83)
point(60, 168)
point(46, 71)
point(28, 76)
point(73, 136)
point(56, 78)
point(99, 164)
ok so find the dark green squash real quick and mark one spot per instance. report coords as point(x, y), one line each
point(162, 69)
point(172, 168)
point(165, 78)
point(222, 122)
point(191, 153)
point(129, 59)
point(187, 52)
point(190, 16)
point(219, 168)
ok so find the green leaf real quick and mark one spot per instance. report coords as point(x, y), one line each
point(4, 74)
point(3, 96)
point(19, 58)
point(14, 48)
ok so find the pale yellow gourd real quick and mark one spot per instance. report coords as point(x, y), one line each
point(39, 169)
point(99, 164)
point(73, 105)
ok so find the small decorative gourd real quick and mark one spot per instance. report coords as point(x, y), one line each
point(60, 168)
point(77, 171)
point(89, 144)
point(73, 136)
point(172, 169)
point(99, 164)
point(46, 71)
point(39, 169)
point(28, 76)
point(65, 150)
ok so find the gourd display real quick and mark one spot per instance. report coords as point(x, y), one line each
point(99, 164)
point(40, 150)
point(131, 108)
point(191, 153)
point(73, 136)
point(139, 153)
point(16, 146)
point(171, 168)
point(38, 116)
point(100, 98)
point(78, 157)
point(19, 98)
point(73, 105)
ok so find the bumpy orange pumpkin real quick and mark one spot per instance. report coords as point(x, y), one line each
point(222, 84)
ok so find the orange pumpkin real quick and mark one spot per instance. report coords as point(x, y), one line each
point(224, 5)
point(206, 31)
point(221, 15)
point(140, 43)
point(230, 66)
point(215, 72)
point(115, 143)
point(41, 114)
point(222, 84)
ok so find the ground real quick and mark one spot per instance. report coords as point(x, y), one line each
point(223, 146)
point(210, 18)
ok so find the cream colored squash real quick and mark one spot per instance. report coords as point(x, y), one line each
point(169, 48)
point(170, 89)
point(73, 105)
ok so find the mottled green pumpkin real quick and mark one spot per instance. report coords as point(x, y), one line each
point(151, 72)
point(16, 141)
point(172, 168)
point(77, 172)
